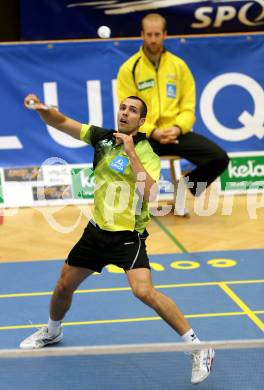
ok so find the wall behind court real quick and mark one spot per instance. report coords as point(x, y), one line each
point(79, 77)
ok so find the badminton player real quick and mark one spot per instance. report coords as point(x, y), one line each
point(125, 160)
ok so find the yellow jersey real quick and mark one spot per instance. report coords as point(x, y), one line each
point(168, 91)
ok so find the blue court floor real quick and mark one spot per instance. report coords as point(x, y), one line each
point(221, 294)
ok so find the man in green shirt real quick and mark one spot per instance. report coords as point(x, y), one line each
point(126, 173)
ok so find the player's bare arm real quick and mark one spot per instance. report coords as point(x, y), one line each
point(52, 117)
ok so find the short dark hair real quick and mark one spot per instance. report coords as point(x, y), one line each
point(144, 108)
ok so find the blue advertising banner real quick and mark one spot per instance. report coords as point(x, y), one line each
point(63, 19)
point(79, 78)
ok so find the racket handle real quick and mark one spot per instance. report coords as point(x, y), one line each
point(32, 104)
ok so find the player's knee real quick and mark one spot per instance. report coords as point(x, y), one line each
point(143, 292)
point(64, 288)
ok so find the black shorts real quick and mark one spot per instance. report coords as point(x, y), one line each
point(98, 248)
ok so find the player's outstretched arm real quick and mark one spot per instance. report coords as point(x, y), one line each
point(52, 117)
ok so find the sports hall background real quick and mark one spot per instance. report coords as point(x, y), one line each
point(210, 263)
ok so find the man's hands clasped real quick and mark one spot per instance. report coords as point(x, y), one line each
point(167, 136)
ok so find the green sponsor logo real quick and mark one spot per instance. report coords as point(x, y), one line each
point(83, 183)
point(146, 84)
point(243, 173)
point(1, 191)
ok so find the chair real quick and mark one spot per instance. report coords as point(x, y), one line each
point(176, 174)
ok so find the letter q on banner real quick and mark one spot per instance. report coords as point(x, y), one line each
point(253, 124)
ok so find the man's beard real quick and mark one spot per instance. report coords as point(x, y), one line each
point(153, 49)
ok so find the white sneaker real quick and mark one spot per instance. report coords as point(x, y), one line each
point(40, 339)
point(201, 365)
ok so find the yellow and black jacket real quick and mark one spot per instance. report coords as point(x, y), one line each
point(169, 91)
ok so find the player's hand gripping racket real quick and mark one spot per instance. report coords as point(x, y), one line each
point(33, 104)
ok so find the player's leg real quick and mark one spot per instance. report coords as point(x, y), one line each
point(210, 160)
point(82, 261)
point(69, 280)
point(130, 254)
point(142, 287)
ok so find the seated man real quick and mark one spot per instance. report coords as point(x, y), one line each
point(166, 84)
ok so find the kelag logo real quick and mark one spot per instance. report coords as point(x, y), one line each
point(83, 183)
point(245, 172)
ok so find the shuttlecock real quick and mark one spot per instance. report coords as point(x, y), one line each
point(104, 32)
